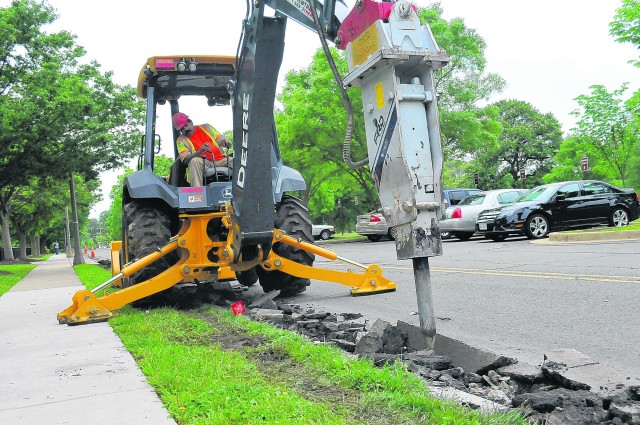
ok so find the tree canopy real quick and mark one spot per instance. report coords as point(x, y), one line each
point(58, 115)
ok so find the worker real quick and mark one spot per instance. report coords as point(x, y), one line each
point(200, 146)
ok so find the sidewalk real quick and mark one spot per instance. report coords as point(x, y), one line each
point(56, 374)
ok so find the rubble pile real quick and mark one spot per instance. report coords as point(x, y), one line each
point(567, 388)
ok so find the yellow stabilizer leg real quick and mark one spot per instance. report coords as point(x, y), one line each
point(369, 282)
point(86, 308)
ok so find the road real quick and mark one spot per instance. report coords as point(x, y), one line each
point(515, 298)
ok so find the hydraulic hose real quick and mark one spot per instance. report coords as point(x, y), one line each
point(346, 148)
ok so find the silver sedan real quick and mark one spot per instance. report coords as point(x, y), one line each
point(460, 219)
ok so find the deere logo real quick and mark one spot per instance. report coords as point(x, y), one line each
point(226, 193)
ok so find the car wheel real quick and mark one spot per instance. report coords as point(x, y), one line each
point(618, 217)
point(463, 236)
point(325, 234)
point(536, 227)
point(374, 238)
point(391, 233)
point(445, 235)
point(497, 237)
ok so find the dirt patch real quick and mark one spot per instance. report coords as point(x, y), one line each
point(279, 368)
point(2, 272)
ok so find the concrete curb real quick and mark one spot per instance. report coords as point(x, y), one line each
point(594, 236)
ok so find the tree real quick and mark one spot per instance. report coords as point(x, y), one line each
point(58, 115)
point(311, 136)
point(528, 140)
point(625, 26)
point(463, 85)
point(608, 132)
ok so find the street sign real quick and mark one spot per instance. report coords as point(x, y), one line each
point(355, 201)
point(523, 174)
point(476, 179)
point(584, 164)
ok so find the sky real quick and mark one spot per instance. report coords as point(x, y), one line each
point(548, 51)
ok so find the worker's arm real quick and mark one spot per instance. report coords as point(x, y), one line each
point(186, 157)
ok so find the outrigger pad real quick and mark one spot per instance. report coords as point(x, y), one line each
point(357, 292)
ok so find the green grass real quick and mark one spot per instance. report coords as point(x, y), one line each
point(210, 367)
point(345, 237)
point(11, 274)
point(634, 225)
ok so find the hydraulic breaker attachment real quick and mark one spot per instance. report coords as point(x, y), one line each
point(368, 283)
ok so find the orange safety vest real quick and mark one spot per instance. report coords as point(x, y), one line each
point(185, 145)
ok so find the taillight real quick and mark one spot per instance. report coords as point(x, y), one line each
point(457, 213)
point(374, 219)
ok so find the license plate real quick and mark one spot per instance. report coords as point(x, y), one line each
point(482, 226)
point(364, 220)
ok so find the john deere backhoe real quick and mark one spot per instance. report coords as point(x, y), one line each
point(243, 225)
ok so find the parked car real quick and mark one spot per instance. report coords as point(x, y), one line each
point(374, 226)
point(322, 231)
point(452, 197)
point(557, 206)
point(460, 219)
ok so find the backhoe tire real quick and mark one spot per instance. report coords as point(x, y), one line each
point(247, 277)
point(145, 229)
point(292, 217)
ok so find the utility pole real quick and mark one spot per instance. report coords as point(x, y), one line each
point(77, 256)
point(67, 233)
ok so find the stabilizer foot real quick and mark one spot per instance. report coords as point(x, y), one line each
point(85, 309)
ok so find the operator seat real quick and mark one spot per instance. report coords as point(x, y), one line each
point(178, 172)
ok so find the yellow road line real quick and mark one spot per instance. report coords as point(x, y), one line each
point(539, 275)
point(507, 273)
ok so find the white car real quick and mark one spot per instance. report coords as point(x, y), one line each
point(460, 219)
point(322, 231)
point(374, 226)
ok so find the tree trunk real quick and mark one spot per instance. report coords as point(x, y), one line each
point(22, 238)
point(6, 235)
point(35, 246)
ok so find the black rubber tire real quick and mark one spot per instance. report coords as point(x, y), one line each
point(445, 235)
point(325, 234)
point(292, 217)
point(498, 237)
point(145, 229)
point(618, 217)
point(247, 277)
point(391, 233)
point(374, 238)
point(463, 236)
point(536, 226)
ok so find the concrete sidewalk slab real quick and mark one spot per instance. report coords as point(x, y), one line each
point(55, 374)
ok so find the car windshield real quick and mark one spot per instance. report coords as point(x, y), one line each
point(473, 199)
point(541, 193)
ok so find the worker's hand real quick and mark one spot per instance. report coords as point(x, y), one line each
point(205, 147)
